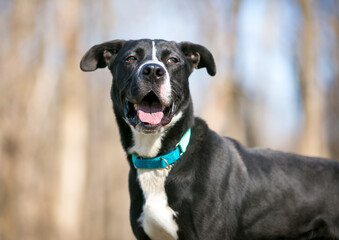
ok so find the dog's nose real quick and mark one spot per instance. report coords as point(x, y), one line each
point(152, 71)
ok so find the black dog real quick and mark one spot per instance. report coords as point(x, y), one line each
point(186, 181)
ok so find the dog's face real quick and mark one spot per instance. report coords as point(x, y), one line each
point(150, 78)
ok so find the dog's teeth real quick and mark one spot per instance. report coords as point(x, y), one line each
point(135, 106)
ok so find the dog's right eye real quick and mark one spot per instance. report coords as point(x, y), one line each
point(131, 59)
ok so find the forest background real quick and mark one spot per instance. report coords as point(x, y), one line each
point(63, 174)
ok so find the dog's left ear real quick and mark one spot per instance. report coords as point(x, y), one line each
point(100, 55)
point(199, 56)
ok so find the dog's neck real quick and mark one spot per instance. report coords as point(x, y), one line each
point(151, 145)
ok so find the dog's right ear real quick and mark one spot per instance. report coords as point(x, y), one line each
point(100, 55)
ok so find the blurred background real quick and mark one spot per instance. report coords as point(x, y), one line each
point(63, 174)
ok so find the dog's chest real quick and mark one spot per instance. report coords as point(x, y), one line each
point(157, 218)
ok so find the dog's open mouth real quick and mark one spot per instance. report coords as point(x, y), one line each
point(149, 114)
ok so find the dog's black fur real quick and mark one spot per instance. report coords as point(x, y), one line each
point(219, 188)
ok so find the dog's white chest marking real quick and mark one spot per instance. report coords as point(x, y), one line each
point(157, 218)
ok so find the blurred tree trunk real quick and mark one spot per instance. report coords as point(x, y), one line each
point(333, 117)
point(25, 199)
point(73, 128)
point(237, 122)
point(313, 136)
point(332, 112)
point(226, 93)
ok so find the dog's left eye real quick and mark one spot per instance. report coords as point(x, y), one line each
point(172, 60)
point(131, 59)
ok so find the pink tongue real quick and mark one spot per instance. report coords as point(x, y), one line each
point(151, 114)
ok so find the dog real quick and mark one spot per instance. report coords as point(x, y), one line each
point(186, 181)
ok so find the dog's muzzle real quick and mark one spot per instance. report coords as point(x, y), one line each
point(152, 110)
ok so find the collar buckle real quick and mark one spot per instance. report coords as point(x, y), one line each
point(167, 165)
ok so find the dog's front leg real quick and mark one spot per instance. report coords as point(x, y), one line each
point(136, 197)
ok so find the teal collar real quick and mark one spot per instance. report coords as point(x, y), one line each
point(165, 160)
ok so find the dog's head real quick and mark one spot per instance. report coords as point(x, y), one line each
point(150, 78)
